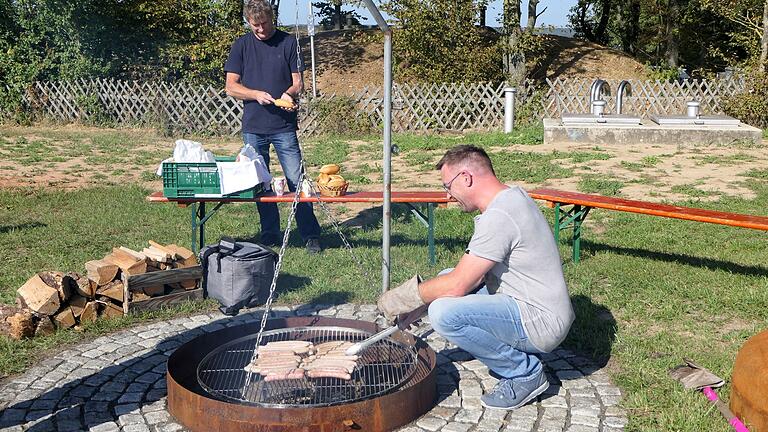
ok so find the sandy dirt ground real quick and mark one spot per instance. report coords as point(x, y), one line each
point(653, 173)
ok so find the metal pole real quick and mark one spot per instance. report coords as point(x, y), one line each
point(311, 31)
point(509, 109)
point(387, 162)
point(387, 158)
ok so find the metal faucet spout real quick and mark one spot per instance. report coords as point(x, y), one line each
point(623, 87)
point(596, 91)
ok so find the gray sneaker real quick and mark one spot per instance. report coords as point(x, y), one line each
point(509, 394)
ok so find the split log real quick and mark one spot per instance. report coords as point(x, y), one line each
point(189, 284)
point(90, 312)
point(65, 318)
point(133, 253)
point(186, 256)
point(44, 327)
point(101, 271)
point(154, 290)
point(128, 264)
point(111, 309)
point(156, 255)
point(21, 325)
point(139, 296)
point(58, 281)
point(38, 296)
point(164, 249)
point(6, 311)
point(113, 290)
point(77, 304)
point(85, 287)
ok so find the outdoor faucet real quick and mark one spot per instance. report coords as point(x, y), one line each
point(596, 90)
point(623, 87)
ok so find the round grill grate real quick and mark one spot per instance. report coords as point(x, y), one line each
point(381, 368)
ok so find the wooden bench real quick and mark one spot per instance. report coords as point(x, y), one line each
point(412, 199)
point(580, 205)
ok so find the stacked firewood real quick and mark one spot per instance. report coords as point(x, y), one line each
point(50, 299)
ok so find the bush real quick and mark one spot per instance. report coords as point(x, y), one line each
point(338, 115)
point(751, 107)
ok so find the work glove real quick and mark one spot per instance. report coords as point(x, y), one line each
point(401, 300)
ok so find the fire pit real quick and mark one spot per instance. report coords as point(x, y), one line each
point(394, 383)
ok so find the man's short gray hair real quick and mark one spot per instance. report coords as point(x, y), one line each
point(466, 155)
point(258, 10)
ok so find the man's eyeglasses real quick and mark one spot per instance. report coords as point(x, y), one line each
point(447, 186)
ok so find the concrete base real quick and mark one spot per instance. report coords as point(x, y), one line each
point(648, 133)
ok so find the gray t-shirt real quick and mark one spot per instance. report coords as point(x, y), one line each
point(513, 233)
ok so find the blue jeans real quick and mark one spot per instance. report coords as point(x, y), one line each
point(289, 154)
point(489, 327)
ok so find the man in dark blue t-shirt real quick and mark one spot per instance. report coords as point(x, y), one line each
point(264, 66)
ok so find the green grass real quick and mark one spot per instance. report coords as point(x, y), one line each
point(648, 291)
point(600, 185)
point(733, 159)
point(691, 190)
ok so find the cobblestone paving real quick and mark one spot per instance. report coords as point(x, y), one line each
point(117, 383)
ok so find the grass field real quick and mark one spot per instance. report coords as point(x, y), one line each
point(647, 292)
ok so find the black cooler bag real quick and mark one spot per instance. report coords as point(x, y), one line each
point(237, 273)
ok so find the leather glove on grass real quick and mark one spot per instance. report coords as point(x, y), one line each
point(402, 299)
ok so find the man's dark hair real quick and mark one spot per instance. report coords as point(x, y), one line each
point(466, 154)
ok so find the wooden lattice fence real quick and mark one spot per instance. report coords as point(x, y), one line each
point(646, 98)
point(187, 108)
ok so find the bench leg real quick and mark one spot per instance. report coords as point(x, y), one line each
point(193, 222)
point(199, 218)
point(574, 216)
point(429, 222)
point(431, 233)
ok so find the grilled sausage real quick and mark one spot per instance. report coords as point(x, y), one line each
point(284, 375)
point(329, 373)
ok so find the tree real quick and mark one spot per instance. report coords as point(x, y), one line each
point(628, 25)
point(591, 18)
point(764, 40)
point(514, 57)
point(440, 41)
point(751, 20)
point(331, 13)
point(532, 14)
point(672, 34)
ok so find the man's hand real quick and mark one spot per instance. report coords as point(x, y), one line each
point(263, 98)
point(402, 299)
point(286, 97)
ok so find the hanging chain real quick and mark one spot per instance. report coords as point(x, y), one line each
point(337, 227)
point(273, 285)
point(286, 235)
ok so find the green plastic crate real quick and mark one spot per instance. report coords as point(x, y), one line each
point(199, 179)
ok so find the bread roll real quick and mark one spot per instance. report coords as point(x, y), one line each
point(323, 178)
point(338, 181)
point(330, 169)
point(283, 103)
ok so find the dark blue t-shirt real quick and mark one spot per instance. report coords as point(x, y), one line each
point(267, 66)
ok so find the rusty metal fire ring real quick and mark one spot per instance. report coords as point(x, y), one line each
point(381, 368)
point(200, 410)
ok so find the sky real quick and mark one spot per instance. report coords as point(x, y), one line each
point(556, 13)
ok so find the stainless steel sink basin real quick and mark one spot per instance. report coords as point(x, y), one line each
point(587, 119)
point(707, 120)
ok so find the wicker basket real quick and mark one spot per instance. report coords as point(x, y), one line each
point(332, 191)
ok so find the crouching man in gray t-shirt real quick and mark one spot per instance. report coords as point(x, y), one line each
point(521, 307)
